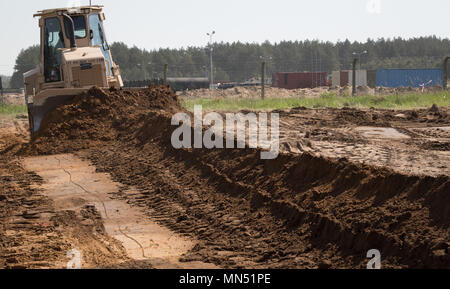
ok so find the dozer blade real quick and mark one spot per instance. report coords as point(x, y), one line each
point(36, 113)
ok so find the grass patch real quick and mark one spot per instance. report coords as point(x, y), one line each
point(13, 109)
point(401, 101)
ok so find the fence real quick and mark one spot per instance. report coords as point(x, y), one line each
point(316, 72)
point(177, 84)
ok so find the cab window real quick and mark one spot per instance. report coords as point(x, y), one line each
point(53, 41)
point(79, 25)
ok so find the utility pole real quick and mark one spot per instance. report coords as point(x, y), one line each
point(206, 70)
point(445, 72)
point(165, 74)
point(211, 57)
point(359, 54)
point(266, 60)
point(354, 77)
point(263, 84)
point(1, 89)
point(359, 57)
point(320, 70)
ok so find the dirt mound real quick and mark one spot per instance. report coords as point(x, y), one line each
point(434, 115)
point(99, 116)
point(360, 117)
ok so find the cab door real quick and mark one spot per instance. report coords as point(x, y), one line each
point(53, 41)
point(98, 38)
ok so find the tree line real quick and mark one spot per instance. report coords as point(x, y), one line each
point(239, 61)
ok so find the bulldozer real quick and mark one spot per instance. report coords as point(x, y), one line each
point(75, 56)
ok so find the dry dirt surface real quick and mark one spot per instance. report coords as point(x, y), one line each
point(273, 92)
point(312, 207)
point(412, 142)
point(13, 98)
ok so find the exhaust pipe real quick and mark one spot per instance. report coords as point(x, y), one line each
point(71, 31)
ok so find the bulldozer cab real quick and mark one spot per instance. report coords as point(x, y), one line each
point(75, 56)
point(58, 26)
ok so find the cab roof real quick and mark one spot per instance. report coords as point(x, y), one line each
point(69, 10)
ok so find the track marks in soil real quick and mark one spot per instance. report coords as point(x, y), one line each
point(73, 185)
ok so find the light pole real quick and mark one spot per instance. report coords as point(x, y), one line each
point(266, 59)
point(359, 60)
point(205, 68)
point(144, 67)
point(359, 56)
point(211, 57)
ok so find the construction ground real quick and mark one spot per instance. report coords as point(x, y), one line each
point(101, 177)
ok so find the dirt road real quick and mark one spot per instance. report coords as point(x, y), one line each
point(305, 209)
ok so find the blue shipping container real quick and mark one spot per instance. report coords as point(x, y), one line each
point(409, 77)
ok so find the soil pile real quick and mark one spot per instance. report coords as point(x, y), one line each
point(434, 115)
point(99, 116)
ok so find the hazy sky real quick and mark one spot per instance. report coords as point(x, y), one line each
point(152, 24)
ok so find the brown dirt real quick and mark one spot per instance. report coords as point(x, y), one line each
point(413, 142)
point(273, 92)
point(74, 186)
point(13, 98)
point(302, 210)
point(35, 235)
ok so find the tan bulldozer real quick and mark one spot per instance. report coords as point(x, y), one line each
point(75, 56)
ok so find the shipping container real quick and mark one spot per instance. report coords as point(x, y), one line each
point(345, 78)
point(294, 80)
point(361, 77)
point(339, 78)
point(372, 78)
point(336, 78)
point(409, 77)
